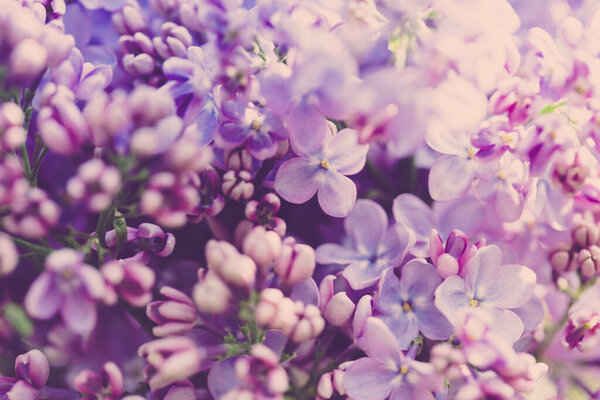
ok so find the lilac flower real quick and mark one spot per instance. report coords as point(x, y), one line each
point(31, 370)
point(406, 304)
point(131, 279)
point(12, 133)
point(171, 359)
point(386, 371)
point(143, 243)
point(245, 124)
point(107, 386)
point(83, 78)
point(489, 288)
point(9, 257)
point(32, 214)
point(95, 183)
point(61, 123)
point(176, 315)
point(373, 246)
point(69, 287)
point(324, 171)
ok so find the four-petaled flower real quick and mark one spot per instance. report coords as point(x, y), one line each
point(324, 171)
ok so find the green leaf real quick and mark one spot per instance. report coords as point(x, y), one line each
point(552, 107)
point(120, 226)
point(16, 317)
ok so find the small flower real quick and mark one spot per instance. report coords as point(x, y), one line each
point(406, 304)
point(245, 124)
point(323, 171)
point(67, 286)
point(489, 288)
point(176, 315)
point(106, 386)
point(96, 184)
point(171, 359)
point(131, 279)
point(386, 371)
point(373, 246)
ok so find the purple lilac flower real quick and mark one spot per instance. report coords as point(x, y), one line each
point(488, 287)
point(324, 172)
point(387, 371)
point(373, 246)
point(245, 124)
point(406, 304)
point(108, 385)
point(67, 286)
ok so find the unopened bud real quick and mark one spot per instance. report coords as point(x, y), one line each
point(296, 263)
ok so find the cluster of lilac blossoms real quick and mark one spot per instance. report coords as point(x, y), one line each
point(285, 199)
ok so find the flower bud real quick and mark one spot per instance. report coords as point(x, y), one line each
point(262, 246)
point(276, 311)
point(296, 263)
point(235, 268)
point(339, 309)
point(33, 367)
point(12, 133)
point(176, 315)
point(133, 280)
point(9, 257)
point(585, 234)
point(28, 59)
point(238, 159)
point(310, 323)
point(211, 294)
point(108, 383)
point(238, 185)
point(560, 258)
point(173, 42)
point(95, 183)
point(172, 359)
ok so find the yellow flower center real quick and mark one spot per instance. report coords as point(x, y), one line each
point(256, 125)
point(404, 370)
point(473, 303)
point(324, 164)
point(406, 306)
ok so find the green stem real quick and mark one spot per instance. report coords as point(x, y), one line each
point(26, 164)
point(31, 246)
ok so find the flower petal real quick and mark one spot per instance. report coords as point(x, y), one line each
point(366, 225)
point(450, 177)
point(362, 274)
point(506, 324)
point(297, 180)
point(368, 379)
point(331, 253)
point(432, 323)
point(345, 154)
point(450, 297)
point(78, 313)
point(513, 287)
point(336, 194)
point(380, 342)
point(308, 129)
point(43, 298)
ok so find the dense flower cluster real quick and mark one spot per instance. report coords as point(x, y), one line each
point(285, 199)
